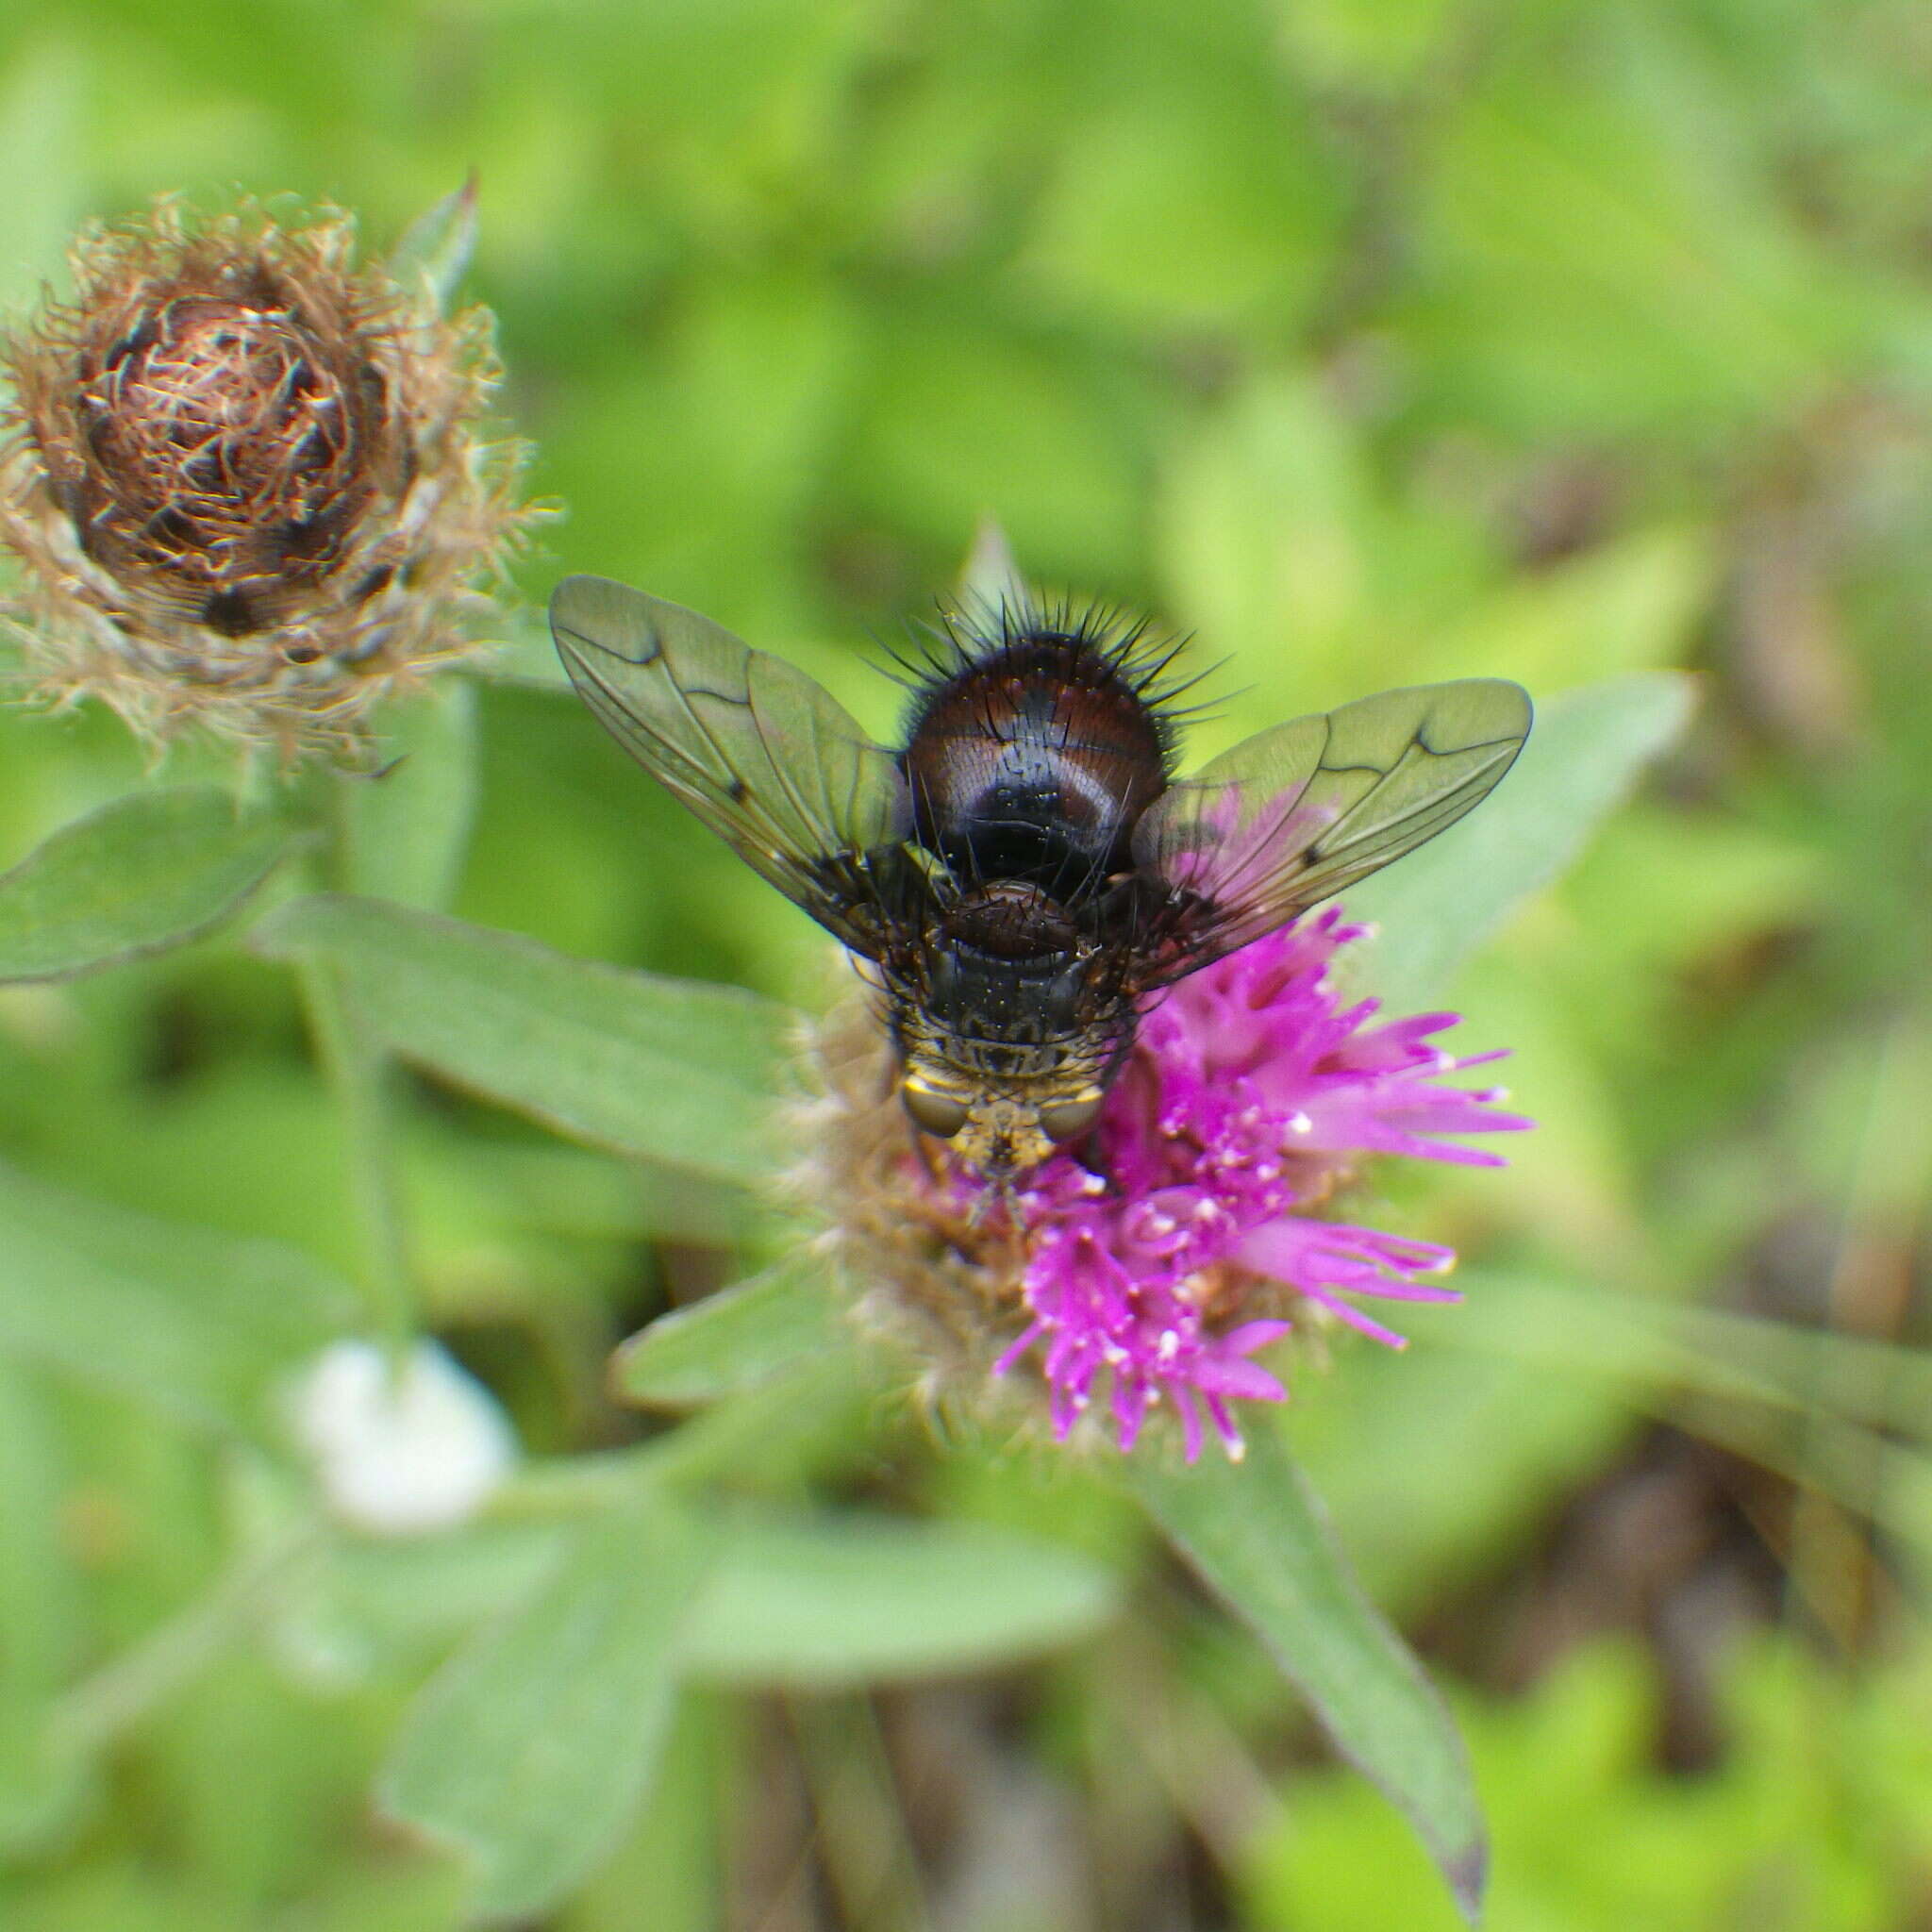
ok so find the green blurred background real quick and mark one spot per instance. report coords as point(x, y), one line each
point(1372, 341)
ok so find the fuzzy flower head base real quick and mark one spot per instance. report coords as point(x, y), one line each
point(244, 479)
point(1199, 1229)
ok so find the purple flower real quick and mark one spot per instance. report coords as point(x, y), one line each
point(1250, 1096)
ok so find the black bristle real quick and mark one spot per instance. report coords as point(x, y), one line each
point(1118, 647)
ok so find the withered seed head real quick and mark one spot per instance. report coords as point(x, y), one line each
point(245, 479)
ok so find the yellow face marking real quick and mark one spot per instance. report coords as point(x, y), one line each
point(1003, 1137)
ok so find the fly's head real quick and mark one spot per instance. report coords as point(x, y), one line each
point(1004, 1107)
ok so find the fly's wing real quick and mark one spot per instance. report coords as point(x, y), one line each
point(762, 753)
point(1302, 811)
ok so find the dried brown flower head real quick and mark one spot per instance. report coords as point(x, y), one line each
point(245, 477)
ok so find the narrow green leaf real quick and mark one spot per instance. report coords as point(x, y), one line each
point(1436, 906)
point(389, 1603)
point(733, 1339)
point(198, 1324)
point(853, 1600)
point(407, 828)
point(427, 1892)
point(1257, 1537)
point(532, 1748)
point(670, 1873)
point(435, 249)
point(1660, 1343)
point(150, 871)
point(781, 1432)
point(672, 1069)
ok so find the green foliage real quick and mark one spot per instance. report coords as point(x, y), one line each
point(1377, 344)
point(1586, 752)
point(198, 1324)
point(150, 871)
point(1816, 1820)
point(736, 1339)
point(1256, 1535)
point(406, 829)
point(666, 1070)
point(850, 1602)
point(532, 1747)
point(437, 247)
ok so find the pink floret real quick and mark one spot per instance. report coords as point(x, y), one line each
point(1251, 1093)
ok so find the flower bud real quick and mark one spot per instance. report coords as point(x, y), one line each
point(401, 1450)
point(245, 478)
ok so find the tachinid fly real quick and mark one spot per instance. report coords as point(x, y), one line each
point(1027, 869)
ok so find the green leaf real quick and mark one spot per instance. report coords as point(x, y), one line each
point(1257, 1537)
point(406, 829)
point(1628, 604)
point(853, 1600)
point(532, 1748)
point(391, 1604)
point(582, 1192)
point(1658, 1342)
point(779, 1433)
point(734, 1340)
point(198, 1324)
point(1434, 908)
point(152, 870)
point(670, 1873)
point(672, 1069)
point(435, 249)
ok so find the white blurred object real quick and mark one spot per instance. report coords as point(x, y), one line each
point(399, 1451)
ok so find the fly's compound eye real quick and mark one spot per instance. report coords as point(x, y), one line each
point(1067, 1120)
point(933, 1112)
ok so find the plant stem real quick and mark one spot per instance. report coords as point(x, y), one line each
point(863, 1839)
point(99, 1708)
point(357, 1067)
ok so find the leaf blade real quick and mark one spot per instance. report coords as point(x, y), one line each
point(152, 870)
point(734, 1340)
point(405, 829)
point(860, 1599)
point(1256, 1534)
point(671, 1071)
point(1439, 904)
point(434, 251)
point(532, 1747)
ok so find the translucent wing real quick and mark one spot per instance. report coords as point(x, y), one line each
point(762, 753)
point(1297, 813)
